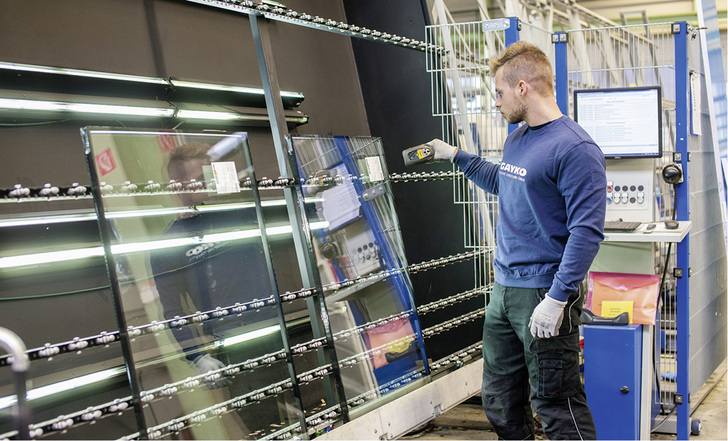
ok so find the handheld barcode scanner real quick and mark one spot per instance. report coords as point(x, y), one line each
point(418, 154)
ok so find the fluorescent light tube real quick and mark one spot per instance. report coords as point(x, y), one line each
point(81, 73)
point(63, 386)
point(249, 336)
point(206, 114)
point(50, 257)
point(119, 110)
point(221, 87)
point(59, 106)
point(46, 220)
point(232, 116)
point(139, 79)
point(136, 247)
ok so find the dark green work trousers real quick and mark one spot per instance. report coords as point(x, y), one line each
point(521, 371)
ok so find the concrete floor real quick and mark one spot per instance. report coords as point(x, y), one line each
point(467, 420)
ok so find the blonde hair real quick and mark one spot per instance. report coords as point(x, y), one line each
point(525, 61)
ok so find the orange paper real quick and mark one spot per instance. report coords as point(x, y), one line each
point(393, 337)
point(640, 289)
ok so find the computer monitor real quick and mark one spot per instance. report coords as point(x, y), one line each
point(624, 122)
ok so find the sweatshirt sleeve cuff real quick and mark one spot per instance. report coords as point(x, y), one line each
point(460, 157)
point(557, 292)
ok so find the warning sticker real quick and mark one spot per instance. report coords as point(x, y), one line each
point(105, 162)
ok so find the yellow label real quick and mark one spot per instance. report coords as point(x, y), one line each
point(420, 153)
point(612, 308)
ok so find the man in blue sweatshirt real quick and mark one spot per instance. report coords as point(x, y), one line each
point(551, 188)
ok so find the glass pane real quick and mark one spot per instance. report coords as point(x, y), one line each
point(311, 354)
point(195, 287)
point(362, 266)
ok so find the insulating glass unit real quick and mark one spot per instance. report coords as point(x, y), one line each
point(362, 266)
point(188, 259)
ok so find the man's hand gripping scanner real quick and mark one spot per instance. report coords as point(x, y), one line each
point(435, 150)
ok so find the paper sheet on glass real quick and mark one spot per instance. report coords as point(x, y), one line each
point(341, 203)
point(226, 177)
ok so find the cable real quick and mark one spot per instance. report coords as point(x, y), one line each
point(42, 123)
point(654, 428)
point(662, 287)
point(56, 294)
point(669, 246)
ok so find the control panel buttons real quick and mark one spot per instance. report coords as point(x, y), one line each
point(625, 194)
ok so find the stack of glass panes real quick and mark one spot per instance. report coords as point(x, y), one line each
point(235, 322)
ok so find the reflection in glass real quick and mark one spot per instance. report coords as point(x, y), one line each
point(362, 266)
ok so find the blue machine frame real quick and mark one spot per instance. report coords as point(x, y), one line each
point(680, 31)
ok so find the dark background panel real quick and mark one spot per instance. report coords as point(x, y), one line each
point(105, 35)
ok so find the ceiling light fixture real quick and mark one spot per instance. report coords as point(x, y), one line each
point(226, 88)
point(33, 106)
point(81, 73)
point(105, 109)
point(20, 67)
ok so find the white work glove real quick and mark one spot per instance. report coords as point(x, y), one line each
point(547, 317)
point(207, 366)
point(443, 150)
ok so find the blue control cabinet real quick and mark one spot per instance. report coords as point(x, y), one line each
point(612, 379)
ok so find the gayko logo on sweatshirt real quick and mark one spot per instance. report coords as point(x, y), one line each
point(513, 171)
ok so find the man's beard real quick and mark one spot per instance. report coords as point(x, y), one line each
point(517, 115)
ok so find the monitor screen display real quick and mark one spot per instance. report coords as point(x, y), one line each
point(624, 122)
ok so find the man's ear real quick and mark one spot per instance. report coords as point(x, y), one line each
point(522, 88)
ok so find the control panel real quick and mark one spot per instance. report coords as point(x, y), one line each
point(630, 190)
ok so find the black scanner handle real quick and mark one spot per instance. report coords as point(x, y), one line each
point(589, 318)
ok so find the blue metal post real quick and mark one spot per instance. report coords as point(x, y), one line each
point(682, 397)
point(561, 70)
point(513, 34)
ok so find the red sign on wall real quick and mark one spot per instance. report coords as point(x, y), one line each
point(168, 142)
point(105, 162)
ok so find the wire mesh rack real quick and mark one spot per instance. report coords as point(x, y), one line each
point(463, 96)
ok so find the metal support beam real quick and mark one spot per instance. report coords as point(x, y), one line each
point(683, 248)
point(296, 212)
point(513, 34)
point(561, 71)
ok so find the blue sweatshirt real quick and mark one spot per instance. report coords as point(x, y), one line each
point(551, 188)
